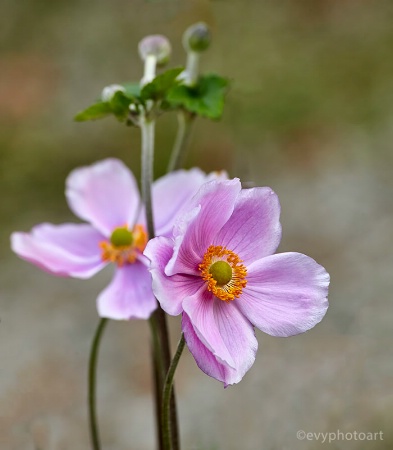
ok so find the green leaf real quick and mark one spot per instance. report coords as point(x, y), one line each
point(206, 99)
point(93, 112)
point(159, 87)
point(132, 90)
point(120, 104)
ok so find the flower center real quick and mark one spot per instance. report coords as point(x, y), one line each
point(123, 245)
point(121, 237)
point(223, 272)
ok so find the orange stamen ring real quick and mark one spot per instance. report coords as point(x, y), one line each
point(234, 287)
point(124, 254)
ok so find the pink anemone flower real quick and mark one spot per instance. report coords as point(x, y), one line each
point(220, 272)
point(106, 196)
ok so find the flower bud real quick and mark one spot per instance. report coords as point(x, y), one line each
point(155, 45)
point(197, 37)
point(109, 91)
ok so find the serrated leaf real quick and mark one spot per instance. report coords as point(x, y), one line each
point(206, 99)
point(94, 112)
point(159, 87)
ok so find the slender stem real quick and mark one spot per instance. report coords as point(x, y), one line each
point(158, 369)
point(161, 350)
point(168, 385)
point(192, 68)
point(92, 380)
point(159, 318)
point(147, 127)
point(149, 69)
point(185, 121)
point(156, 344)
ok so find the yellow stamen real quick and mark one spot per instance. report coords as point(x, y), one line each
point(135, 241)
point(214, 273)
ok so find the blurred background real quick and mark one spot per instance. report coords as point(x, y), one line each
point(309, 113)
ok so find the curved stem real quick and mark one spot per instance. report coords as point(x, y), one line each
point(185, 121)
point(166, 397)
point(92, 378)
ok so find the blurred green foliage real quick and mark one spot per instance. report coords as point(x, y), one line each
point(300, 71)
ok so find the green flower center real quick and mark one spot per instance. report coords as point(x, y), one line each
point(122, 237)
point(221, 271)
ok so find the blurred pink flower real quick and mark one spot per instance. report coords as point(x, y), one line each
point(106, 196)
point(219, 271)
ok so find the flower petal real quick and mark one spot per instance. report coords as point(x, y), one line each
point(170, 291)
point(194, 231)
point(285, 294)
point(253, 231)
point(204, 358)
point(104, 194)
point(172, 194)
point(129, 295)
point(224, 330)
point(63, 250)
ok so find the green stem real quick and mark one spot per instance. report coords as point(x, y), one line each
point(166, 397)
point(147, 127)
point(157, 366)
point(185, 121)
point(92, 381)
point(161, 349)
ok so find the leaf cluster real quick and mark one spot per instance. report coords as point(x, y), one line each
point(165, 92)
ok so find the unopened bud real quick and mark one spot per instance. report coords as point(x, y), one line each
point(197, 37)
point(155, 45)
point(109, 91)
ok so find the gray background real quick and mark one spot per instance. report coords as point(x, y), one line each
point(309, 114)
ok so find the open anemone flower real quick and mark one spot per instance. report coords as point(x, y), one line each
point(220, 272)
point(106, 196)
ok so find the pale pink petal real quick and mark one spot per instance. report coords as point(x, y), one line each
point(286, 294)
point(205, 359)
point(172, 194)
point(64, 250)
point(253, 231)
point(239, 337)
point(129, 295)
point(170, 291)
point(104, 194)
point(222, 328)
point(195, 231)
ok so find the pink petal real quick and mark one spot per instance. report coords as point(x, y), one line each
point(285, 294)
point(195, 231)
point(104, 194)
point(63, 250)
point(172, 194)
point(205, 359)
point(223, 329)
point(254, 229)
point(129, 295)
point(170, 291)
